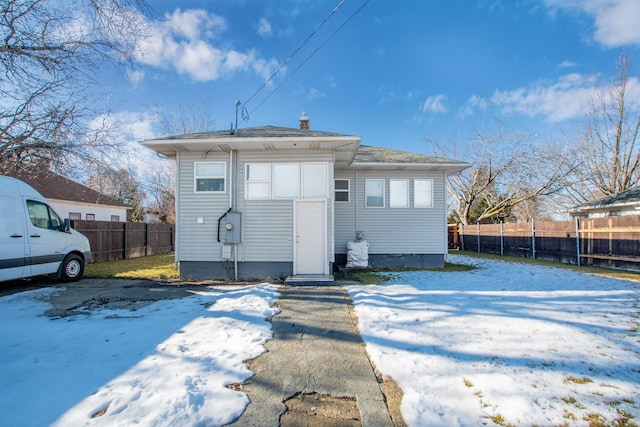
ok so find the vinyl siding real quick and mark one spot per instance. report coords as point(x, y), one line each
point(267, 225)
point(392, 230)
point(198, 242)
point(267, 233)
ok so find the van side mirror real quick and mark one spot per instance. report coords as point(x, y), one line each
point(66, 225)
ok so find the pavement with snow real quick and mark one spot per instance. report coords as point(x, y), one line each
point(504, 343)
point(166, 364)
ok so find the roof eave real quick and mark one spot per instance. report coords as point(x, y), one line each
point(169, 147)
point(584, 208)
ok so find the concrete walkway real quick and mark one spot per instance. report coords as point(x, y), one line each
point(316, 349)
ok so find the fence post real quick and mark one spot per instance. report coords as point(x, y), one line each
point(501, 239)
point(124, 241)
point(533, 238)
point(478, 226)
point(462, 236)
point(577, 222)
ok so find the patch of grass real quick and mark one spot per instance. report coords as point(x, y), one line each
point(569, 400)
point(570, 416)
point(450, 267)
point(599, 271)
point(468, 383)
point(151, 267)
point(366, 277)
point(498, 419)
point(595, 420)
point(577, 380)
point(373, 276)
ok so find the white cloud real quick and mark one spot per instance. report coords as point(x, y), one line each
point(330, 81)
point(473, 104)
point(183, 41)
point(435, 104)
point(616, 21)
point(135, 76)
point(193, 24)
point(557, 101)
point(315, 94)
point(567, 64)
point(412, 94)
point(567, 98)
point(264, 28)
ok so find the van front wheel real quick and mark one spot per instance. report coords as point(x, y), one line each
point(72, 268)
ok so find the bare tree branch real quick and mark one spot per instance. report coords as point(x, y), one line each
point(49, 52)
point(609, 150)
point(508, 168)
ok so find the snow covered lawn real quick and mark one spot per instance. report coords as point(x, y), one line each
point(506, 343)
point(164, 364)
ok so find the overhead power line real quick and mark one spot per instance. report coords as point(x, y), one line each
point(335, 9)
point(307, 58)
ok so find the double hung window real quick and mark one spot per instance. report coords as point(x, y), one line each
point(374, 193)
point(341, 190)
point(210, 176)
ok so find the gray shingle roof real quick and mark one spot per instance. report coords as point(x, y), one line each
point(258, 138)
point(255, 132)
point(632, 195)
point(369, 154)
point(54, 186)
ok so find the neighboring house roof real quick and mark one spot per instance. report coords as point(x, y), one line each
point(57, 187)
point(628, 199)
point(349, 152)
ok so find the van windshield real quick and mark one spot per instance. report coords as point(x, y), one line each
point(42, 216)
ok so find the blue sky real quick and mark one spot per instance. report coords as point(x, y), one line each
point(395, 73)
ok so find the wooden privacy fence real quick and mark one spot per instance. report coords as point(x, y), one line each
point(112, 241)
point(605, 242)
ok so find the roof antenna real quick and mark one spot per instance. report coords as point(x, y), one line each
point(243, 111)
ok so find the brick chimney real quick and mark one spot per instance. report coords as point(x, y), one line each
point(304, 121)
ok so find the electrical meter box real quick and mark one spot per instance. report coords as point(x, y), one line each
point(232, 227)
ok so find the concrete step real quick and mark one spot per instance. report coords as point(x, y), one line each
point(310, 280)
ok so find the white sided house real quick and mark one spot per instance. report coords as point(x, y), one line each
point(275, 202)
point(72, 200)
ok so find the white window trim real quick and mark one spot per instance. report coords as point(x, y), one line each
point(271, 181)
point(408, 204)
point(326, 182)
point(414, 195)
point(195, 177)
point(342, 190)
point(258, 181)
point(384, 201)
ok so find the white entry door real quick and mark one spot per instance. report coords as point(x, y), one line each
point(310, 240)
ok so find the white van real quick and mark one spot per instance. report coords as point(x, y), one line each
point(34, 240)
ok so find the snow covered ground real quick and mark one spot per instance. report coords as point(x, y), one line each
point(164, 364)
point(506, 343)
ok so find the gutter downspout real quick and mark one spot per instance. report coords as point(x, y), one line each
point(176, 256)
point(355, 195)
point(446, 211)
point(233, 157)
